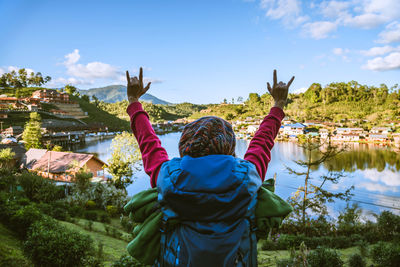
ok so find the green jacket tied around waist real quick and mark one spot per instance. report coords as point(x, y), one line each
point(145, 212)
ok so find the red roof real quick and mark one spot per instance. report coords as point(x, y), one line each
point(61, 162)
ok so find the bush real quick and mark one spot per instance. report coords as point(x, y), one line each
point(50, 244)
point(324, 257)
point(388, 225)
point(112, 210)
point(126, 223)
point(24, 218)
point(105, 218)
point(91, 215)
point(75, 211)
point(356, 260)
point(39, 189)
point(127, 261)
point(90, 205)
point(386, 254)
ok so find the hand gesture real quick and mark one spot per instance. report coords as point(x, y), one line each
point(135, 87)
point(279, 91)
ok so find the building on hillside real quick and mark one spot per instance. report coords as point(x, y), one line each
point(380, 130)
point(350, 131)
point(323, 133)
point(294, 129)
point(10, 103)
point(346, 137)
point(378, 137)
point(51, 96)
point(252, 129)
point(62, 166)
point(3, 115)
point(13, 131)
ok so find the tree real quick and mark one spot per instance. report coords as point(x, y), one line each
point(85, 98)
point(239, 99)
point(32, 133)
point(6, 156)
point(69, 89)
point(313, 197)
point(95, 100)
point(125, 155)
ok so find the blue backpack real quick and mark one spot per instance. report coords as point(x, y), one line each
point(213, 200)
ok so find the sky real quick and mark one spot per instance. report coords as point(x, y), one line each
point(203, 51)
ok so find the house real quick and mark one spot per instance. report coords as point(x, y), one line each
point(380, 130)
point(252, 129)
point(294, 129)
point(13, 131)
point(51, 96)
point(378, 137)
point(349, 131)
point(323, 133)
point(3, 115)
point(346, 137)
point(62, 166)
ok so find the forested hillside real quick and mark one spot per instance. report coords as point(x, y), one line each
point(335, 102)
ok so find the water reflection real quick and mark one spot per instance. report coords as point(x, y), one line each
point(374, 171)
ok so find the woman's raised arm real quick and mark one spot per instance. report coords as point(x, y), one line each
point(153, 154)
point(259, 150)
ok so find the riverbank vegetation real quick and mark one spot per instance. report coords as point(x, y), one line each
point(36, 215)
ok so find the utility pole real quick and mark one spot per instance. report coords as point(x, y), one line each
point(1, 122)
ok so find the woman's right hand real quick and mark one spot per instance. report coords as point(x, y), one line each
point(279, 91)
point(135, 87)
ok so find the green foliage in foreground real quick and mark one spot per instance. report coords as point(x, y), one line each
point(11, 253)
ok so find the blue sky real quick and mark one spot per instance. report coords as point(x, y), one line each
point(203, 51)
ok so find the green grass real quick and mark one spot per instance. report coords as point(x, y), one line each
point(269, 258)
point(113, 248)
point(97, 115)
point(11, 253)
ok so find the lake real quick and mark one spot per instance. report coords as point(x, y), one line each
point(373, 170)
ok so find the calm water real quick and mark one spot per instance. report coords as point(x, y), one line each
point(373, 170)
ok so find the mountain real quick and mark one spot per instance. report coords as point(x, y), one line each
point(116, 93)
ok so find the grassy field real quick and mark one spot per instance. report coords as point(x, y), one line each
point(11, 254)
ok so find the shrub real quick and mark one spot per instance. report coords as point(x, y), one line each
point(50, 244)
point(127, 261)
point(126, 223)
point(386, 254)
point(38, 189)
point(90, 205)
point(91, 215)
point(363, 247)
point(112, 210)
point(105, 218)
point(24, 218)
point(75, 211)
point(324, 257)
point(356, 260)
point(388, 225)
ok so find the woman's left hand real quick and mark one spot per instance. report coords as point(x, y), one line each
point(135, 87)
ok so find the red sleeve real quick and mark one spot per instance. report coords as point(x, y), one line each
point(153, 154)
point(259, 151)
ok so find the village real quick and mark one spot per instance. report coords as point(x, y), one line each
point(61, 166)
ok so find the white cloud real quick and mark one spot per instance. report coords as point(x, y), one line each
point(92, 70)
point(299, 90)
point(377, 187)
point(289, 11)
point(386, 177)
point(391, 34)
point(334, 9)
point(379, 50)
point(340, 51)
point(319, 29)
point(390, 62)
point(16, 69)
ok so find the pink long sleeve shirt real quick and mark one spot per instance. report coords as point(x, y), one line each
point(154, 155)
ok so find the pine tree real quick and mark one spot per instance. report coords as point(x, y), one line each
point(32, 134)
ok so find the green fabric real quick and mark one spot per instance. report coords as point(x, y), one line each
point(143, 209)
